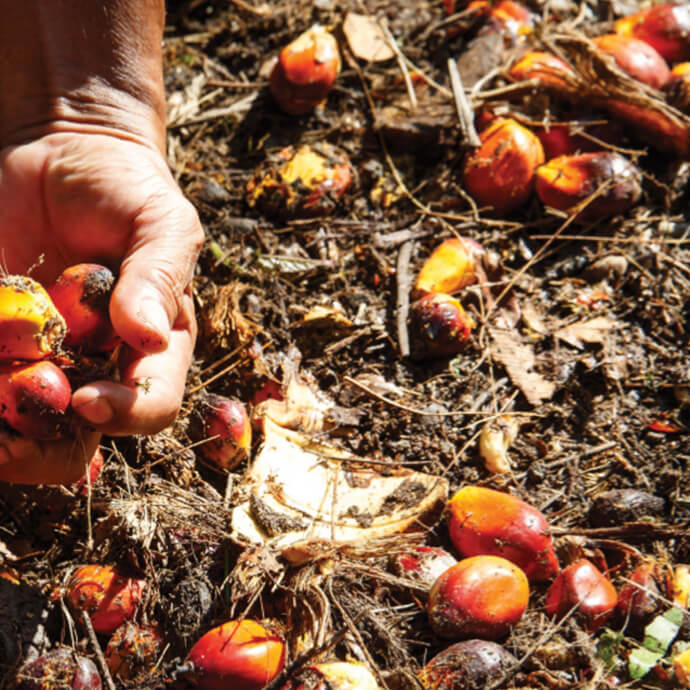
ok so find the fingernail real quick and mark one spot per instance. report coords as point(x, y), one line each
point(153, 314)
point(96, 411)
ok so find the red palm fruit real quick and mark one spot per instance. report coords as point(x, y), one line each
point(500, 173)
point(664, 27)
point(438, 327)
point(451, 267)
point(58, 668)
point(560, 140)
point(333, 675)
point(306, 71)
point(636, 58)
point(551, 71)
point(481, 596)
point(566, 181)
point(34, 399)
point(224, 428)
point(306, 182)
point(467, 664)
point(133, 650)
point(639, 598)
point(82, 295)
point(268, 390)
point(484, 521)
point(92, 473)
point(424, 564)
point(241, 654)
point(109, 597)
point(582, 584)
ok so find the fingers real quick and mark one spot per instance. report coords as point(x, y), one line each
point(23, 461)
point(151, 386)
point(158, 267)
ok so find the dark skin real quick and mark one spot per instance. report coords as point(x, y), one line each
point(83, 178)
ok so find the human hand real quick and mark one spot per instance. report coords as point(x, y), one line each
point(102, 198)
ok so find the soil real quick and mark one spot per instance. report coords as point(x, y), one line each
point(601, 307)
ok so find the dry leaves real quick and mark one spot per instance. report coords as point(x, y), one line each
point(366, 38)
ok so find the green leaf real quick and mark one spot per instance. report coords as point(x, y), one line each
point(641, 661)
point(658, 636)
point(609, 646)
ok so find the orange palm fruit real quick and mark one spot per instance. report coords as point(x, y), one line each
point(240, 654)
point(583, 585)
point(551, 71)
point(681, 668)
point(481, 596)
point(224, 428)
point(305, 71)
point(467, 664)
point(678, 87)
point(451, 267)
point(484, 521)
point(306, 182)
point(566, 181)
point(333, 675)
point(681, 586)
point(637, 58)
point(109, 597)
point(30, 325)
point(82, 295)
point(34, 398)
point(133, 650)
point(512, 17)
point(639, 598)
point(500, 173)
point(438, 327)
point(664, 27)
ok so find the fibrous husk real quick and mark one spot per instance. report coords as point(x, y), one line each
point(305, 496)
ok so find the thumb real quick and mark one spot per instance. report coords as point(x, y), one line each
point(155, 272)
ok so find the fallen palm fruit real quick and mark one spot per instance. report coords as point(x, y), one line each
point(584, 586)
point(34, 399)
point(681, 586)
point(424, 564)
point(467, 665)
point(664, 27)
point(495, 438)
point(500, 173)
point(58, 668)
point(484, 521)
point(481, 596)
point(305, 71)
point(223, 430)
point(562, 140)
point(82, 295)
point(616, 506)
point(612, 182)
point(333, 675)
point(92, 473)
point(133, 650)
point(636, 58)
point(438, 327)
point(678, 87)
point(242, 655)
point(30, 325)
point(681, 668)
point(108, 597)
point(307, 182)
point(550, 71)
point(639, 598)
point(451, 267)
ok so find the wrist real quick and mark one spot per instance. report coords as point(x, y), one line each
point(76, 65)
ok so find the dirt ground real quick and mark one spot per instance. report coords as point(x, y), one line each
point(601, 309)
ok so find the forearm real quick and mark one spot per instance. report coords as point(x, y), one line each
point(81, 65)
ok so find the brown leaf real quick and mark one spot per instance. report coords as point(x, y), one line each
point(366, 38)
point(518, 359)
point(590, 331)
